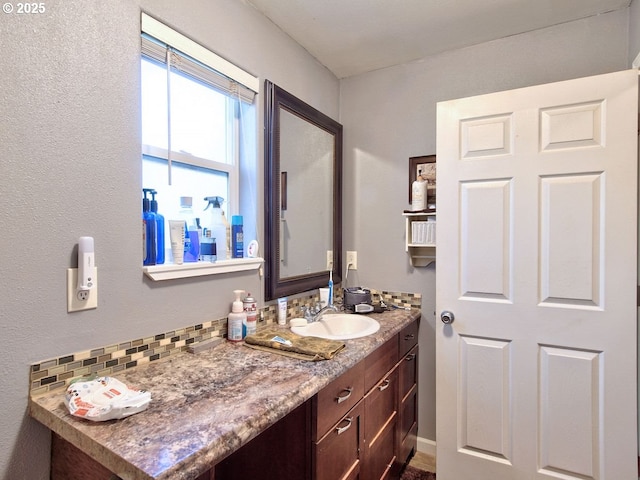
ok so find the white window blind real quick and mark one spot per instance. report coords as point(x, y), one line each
point(167, 46)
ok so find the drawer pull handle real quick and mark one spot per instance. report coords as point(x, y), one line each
point(409, 358)
point(410, 336)
point(341, 430)
point(384, 385)
point(343, 398)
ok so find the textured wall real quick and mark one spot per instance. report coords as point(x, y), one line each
point(70, 140)
point(405, 97)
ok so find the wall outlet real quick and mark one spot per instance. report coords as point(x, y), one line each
point(352, 260)
point(329, 259)
point(81, 299)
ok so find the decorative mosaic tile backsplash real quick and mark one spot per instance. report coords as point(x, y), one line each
point(56, 373)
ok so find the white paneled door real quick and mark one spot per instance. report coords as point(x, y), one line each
point(536, 259)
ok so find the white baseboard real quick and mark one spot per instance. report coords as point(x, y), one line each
point(427, 446)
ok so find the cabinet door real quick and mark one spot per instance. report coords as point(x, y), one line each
point(408, 422)
point(68, 462)
point(380, 420)
point(337, 454)
point(281, 451)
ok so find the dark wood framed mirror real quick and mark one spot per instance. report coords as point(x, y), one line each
point(303, 195)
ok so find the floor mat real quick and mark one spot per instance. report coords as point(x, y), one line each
point(412, 473)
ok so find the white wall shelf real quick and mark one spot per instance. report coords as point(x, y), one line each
point(171, 271)
point(423, 253)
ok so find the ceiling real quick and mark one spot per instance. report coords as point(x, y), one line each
point(351, 37)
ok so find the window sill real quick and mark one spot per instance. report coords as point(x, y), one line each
point(170, 271)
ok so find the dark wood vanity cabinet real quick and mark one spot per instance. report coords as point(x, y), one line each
point(387, 414)
point(363, 425)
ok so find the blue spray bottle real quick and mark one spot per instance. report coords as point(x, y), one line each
point(237, 240)
point(149, 226)
point(159, 229)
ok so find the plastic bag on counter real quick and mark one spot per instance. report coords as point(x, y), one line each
point(104, 398)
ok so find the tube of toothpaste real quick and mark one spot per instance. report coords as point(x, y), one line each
point(281, 340)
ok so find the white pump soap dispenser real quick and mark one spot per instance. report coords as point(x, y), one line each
point(236, 318)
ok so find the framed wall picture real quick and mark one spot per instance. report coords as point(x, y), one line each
point(426, 166)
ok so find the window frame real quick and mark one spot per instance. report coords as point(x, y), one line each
point(240, 82)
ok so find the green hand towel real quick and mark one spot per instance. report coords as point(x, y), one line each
point(303, 348)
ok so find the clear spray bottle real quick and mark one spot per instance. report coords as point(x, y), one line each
point(218, 226)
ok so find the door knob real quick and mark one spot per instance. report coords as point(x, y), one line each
point(447, 317)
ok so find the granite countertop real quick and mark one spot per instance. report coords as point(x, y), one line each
point(204, 406)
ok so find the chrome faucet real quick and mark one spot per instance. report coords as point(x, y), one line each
point(308, 313)
point(323, 311)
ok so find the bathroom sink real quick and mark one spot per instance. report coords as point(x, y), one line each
point(339, 326)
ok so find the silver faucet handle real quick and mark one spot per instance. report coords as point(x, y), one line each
point(307, 312)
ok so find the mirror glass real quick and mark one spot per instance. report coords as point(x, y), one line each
point(303, 189)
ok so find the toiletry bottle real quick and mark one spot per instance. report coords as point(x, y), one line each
point(207, 246)
point(159, 229)
point(177, 239)
point(251, 309)
point(419, 194)
point(218, 228)
point(236, 319)
point(191, 241)
point(282, 311)
point(227, 226)
point(237, 245)
point(148, 231)
point(194, 235)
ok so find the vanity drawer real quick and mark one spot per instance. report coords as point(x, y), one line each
point(408, 338)
point(379, 363)
point(336, 399)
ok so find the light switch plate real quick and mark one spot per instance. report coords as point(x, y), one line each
point(74, 303)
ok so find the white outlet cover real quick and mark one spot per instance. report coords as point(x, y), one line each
point(352, 260)
point(73, 303)
point(329, 259)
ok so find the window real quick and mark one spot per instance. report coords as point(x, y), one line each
point(198, 126)
point(201, 136)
